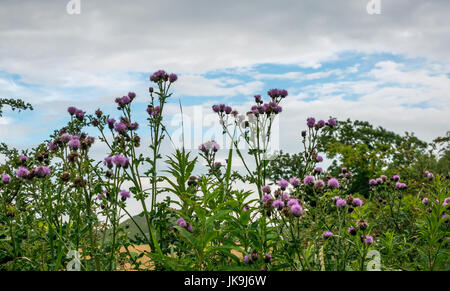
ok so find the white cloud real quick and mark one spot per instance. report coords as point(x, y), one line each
point(45, 45)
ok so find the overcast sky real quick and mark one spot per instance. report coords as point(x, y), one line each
point(335, 59)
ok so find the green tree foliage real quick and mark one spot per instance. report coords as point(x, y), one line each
point(15, 104)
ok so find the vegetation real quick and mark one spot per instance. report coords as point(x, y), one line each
point(382, 204)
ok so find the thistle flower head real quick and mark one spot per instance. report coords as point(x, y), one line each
point(368, 239)
point(333, 183)
point(124, 195)
point(120, 161)
point(22, 172)
point(327, 234)
point(400, 186)
point(42, 171)
point(266, 189)
point(294, 181)
point(158, 76)
point(74, 143)
point(283, 184)
point(296, 210)
point(357, 202)
point(340, 203)
point(6, 178)
point(331, 122)
point(72, 110)
point(173, 78)
point(120, 127)
point(292, 202)
point(310, 122)
point(309, 180)
point(278, 204)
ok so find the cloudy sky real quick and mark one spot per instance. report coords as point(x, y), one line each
point(335, 59)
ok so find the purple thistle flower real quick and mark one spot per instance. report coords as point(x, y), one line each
point(425, 200)
point(74, 143)
point(132, 95)
point(446, 201)
point(173, 78)
point(22, 172)
point(318, 170)
point(125, 100)
point(120, 127)
point(216, 108)
point(108, 161)
point(120, 161)
point(400, 186)
point(247, 259)
point(182, 223)
point(319, 159)
point(23, 159)
point(6, 178)
point(352, 230)
point(396, 177)
point(273, 93)
point(228, 109)
point(327, 234)
point(111, 122)
point(72, 110)
point(203, 148)
point(214, 146)
point(258, 99)
point(189, 228)
point(372, 182)
point(52, 146)
point(42, 171)
point(320, 123)
point(319, 185)
point(340, 203)
point(266, 189)
point(357, 202)
point(331, 122)
point(310, 122)
point(100, 197)
point(266, 197)
point(292, 202)
point(79, 114)
point(278, 204)
point(368, 240)
point(379, 181)
point(296, 210)
point(158, 76)
point(309, 180)
point(133, 126)
point(333, 183)
point(283, 184)
point(294, 181)
point(124, 195)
